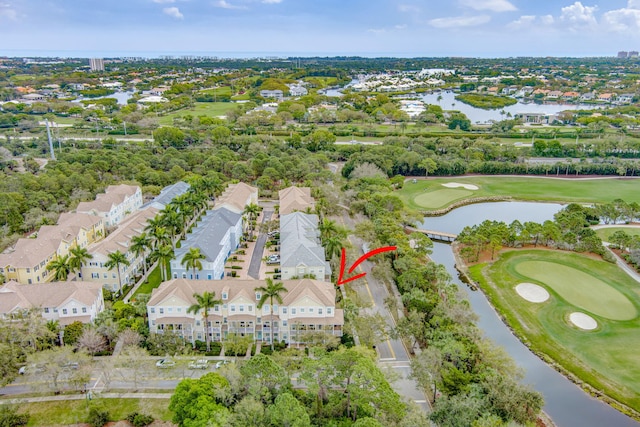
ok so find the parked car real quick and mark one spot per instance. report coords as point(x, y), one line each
point(30, 369)
point(221, 363)
point(165, 363)
point(199, 364)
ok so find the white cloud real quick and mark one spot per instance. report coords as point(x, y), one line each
point(225, 5)
point(578, 15)
point(173, 12)
point(493, 5)
point(547, 19)
point(377, 30)
point(400, 27)
point(8, 12)
point(623, 20)
point(271, 1)
point(386, 30)
point(459, 21)
point(164, 1)
point(524, 21)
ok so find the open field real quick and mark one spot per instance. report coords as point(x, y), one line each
point(605, 357)
point(605, 233)
point(66, 412)
point(209, 109)
point(417, 195)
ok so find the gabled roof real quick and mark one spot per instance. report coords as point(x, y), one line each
point(323, 292)
point(209, 233)
point(300, 241)
point(168, 193)
point(236, 196)
point(14, 295)
point(28, 253)
point(113, 196)
point(121, 237)
point(295, 199)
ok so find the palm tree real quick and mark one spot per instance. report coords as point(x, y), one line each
point(252, 210)
point(327, 228)
point(271, 291)
point(163, 255)
point(160, 237)
point(333, 246)
point(204, 302)
point(60, 267)
point(78, 257)
point(116, 259)
point(192, 259)
point(139, 245)
point(173, 221)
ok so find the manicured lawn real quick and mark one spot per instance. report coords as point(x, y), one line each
point(223, 90)
point(441, 198)
point(417, 195)
point(68, 412)
point(606, 357)
point(153, 281)
point(209, 109)
point(605, 233)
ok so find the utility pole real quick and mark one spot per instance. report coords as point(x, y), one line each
point(53, 156)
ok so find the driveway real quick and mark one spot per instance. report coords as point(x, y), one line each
point(258, 250)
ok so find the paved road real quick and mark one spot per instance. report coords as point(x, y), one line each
point(392, 352)
point(256, 258)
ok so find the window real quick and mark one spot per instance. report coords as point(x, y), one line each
point(46, 309)
point(301, 310)
point(233, 308)
point(258, 296)
point(328, 310)
point(84, 309)
point(169, 309)
point(241, 307)
point(250, 307)
point(184, 275)
point(113, 275)
point(161, 310)
point(175, 275)
point(310, 310)
point(104, 276)
point(225, 295)
point(95, 275)
point(209, 277)
point(153, 309)
point(74, 310)
point(64, 311)
point(293, 311)
point(284, 323)
point(319, 311)
point(275, 308)
point(216, 307)
point(284, 310)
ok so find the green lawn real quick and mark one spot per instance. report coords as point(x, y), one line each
point(223, 90)
point(417, 196)
point(209, 109)
point(607, 357)
point(153, 281)
point(60, 413)
point(605, 233)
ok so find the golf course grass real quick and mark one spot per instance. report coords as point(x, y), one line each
point(607, 357)
point(418, 196)
point(209, 109)
point(605, 233)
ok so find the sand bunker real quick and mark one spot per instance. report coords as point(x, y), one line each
point(458, 185)
point(583, 321)
point(532, 293)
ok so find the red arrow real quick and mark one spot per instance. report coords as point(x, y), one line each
point(343, 261)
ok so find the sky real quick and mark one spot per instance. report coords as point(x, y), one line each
point(233, 28)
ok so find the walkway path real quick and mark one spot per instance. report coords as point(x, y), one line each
point(258, 250)
point(61, 397)
point(392, 353)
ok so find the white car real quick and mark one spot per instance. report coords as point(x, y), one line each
point(165, 363)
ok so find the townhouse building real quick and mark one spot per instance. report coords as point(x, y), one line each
point(307, 306)
point(27, 261)
point(237, 196)
point(217, 234)
point(114, 204)
point(301, 252)
point(168, 194)
point(95, 270)
point(66, 302)
point(294, 199)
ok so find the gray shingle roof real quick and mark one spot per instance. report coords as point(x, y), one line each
point(209, 233)
point(170, 192)
point(300, 240)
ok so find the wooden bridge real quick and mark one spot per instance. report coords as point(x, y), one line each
point(435, 235)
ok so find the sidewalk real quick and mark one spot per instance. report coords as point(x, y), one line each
point(63, 397)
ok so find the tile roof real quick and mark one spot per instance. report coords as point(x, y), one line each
point(54, 294)
point(119, 240)
point(323, 292)
point(113, 196)
point(236, 196)
point(295, 199)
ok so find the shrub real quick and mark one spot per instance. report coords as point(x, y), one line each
point(139, 420)
point(9, 417)
point(98, 417)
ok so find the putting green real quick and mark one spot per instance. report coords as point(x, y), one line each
point(580, 289)
point(441, 198)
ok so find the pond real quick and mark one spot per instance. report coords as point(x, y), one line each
point(566, 403)
point(479, 115)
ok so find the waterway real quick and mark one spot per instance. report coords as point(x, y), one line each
point(566, 403)
point(479, 115)
point(120, 96)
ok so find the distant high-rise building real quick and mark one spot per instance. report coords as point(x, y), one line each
point(633, 54)
point(623, 54)
point(96, 64)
